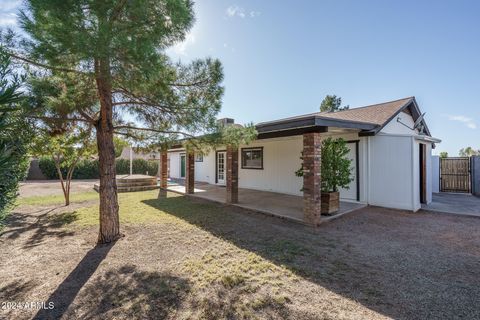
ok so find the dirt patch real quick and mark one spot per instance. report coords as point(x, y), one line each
point(52, 187)
point(203, 260)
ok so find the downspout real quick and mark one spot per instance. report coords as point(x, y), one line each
point(368, 179)
point(413, 173)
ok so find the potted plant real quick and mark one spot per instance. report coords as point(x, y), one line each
point(335, 173)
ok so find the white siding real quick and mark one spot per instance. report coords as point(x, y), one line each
point(429, 173)
point(388, 167)
point(174, 164)
point(391, 172)
point(435, 174)
point(395, 127)
point(205, 170)
point(281, 158)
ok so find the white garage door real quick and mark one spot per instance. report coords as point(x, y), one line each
point(351, 192)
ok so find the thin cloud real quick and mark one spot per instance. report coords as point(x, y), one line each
point(8, 19)
point(236, 11)
point(469, 122)
point(8, 10)
point(8, 5)
point(181, 48)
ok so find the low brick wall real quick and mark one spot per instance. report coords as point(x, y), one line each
point(34, 172)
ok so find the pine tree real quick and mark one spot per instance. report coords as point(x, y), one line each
point(120, 46)
point(332, 103)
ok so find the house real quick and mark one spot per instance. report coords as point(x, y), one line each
point(390, 148)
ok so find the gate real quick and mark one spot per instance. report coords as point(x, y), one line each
point(455, 175)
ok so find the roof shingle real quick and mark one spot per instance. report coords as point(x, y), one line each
point(377, 114)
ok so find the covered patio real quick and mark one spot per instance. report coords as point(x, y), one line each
point(275, 204)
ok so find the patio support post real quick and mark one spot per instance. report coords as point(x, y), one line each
point(311, 178)
point(163, 169)
point(190, 174)
point(232, 175)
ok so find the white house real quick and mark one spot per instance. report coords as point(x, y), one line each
point(390, 146)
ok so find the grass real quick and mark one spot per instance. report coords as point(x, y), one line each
point(253, 282)
point(145, 208)
point(57, 199)
point(192, 259)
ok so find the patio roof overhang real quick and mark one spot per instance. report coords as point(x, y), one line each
point(311, 123)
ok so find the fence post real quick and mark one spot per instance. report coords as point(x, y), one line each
point(475, 175)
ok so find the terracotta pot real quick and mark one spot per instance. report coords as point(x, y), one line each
point(330, 202)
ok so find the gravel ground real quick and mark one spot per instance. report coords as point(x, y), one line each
point(375, 263)
point(52, 187)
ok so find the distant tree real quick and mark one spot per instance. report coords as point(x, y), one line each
point(332, 103)
point(443, 154)
point(52, 98)
point(66, 149)
point(468, 152)
point(119, 144)
point(14, 136)
point(120, 46)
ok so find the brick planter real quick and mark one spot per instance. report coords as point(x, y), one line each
point(330, 202)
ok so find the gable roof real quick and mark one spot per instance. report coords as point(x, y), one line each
point(377, 114)
point(368, 119)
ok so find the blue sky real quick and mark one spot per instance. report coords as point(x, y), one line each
point(282, 57)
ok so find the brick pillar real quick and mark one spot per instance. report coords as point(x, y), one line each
point(190, 174)
point(163, 169)
point(232, 175)
point(311, 178)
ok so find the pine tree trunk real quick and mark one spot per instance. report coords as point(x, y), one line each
point(109, 220)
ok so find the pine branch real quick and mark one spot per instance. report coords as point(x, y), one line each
point(154, 130)
point(42, 65)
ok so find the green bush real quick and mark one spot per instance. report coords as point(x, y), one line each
point(140, 166)
point(47, 166)
point(88, 169)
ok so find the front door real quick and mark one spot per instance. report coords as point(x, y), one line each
point(182, 165)
point(352, 192)
point(221, 155)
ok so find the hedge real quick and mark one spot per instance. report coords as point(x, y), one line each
point(88, 169)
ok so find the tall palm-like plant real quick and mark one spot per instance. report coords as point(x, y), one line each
point(13, 135)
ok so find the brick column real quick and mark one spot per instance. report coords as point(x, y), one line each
point(163, 169)
point(311, 178)
point(190, 174)
point(232, 175)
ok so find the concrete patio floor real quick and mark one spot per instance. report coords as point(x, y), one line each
point(457, 203)
point(276, 204)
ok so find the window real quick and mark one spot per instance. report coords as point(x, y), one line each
point(198, 157)
point(252, 158)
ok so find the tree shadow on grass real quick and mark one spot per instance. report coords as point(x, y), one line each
point(38, 227)
point(128, 293)
point(17, 290)
point(66, 292)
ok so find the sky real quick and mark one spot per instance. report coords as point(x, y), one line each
point(281, 58)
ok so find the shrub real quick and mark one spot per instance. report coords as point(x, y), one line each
point(88, 169)
point(47, 166)
point(140, 166)
point(335, 166)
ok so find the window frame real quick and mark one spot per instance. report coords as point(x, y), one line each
point(198, 157)
point(242, 157)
